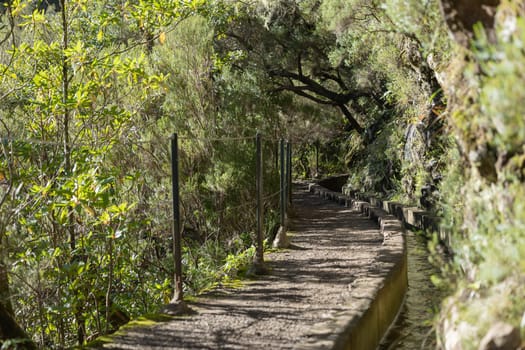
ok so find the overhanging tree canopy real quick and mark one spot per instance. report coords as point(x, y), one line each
point(295, 54)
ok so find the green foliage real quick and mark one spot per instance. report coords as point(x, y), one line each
point(387, 45)
point(14, 344)
point(402, 34)
point(483, 189)
point(86, 204)
point(503, 70)
point(237, 265)
point(377, 167)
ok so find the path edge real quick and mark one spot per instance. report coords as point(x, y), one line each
point(369, 319)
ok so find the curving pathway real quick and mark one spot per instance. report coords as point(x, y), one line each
point(337, 256)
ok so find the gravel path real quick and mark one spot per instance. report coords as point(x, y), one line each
point(334, 250)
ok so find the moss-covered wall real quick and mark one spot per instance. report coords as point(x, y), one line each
point(483, 190)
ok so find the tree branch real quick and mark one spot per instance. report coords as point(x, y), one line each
point(337, 79)
point(354, 125)
point(313, 86)
point(299, 90)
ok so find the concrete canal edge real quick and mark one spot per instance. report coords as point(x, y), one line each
point(378, 301)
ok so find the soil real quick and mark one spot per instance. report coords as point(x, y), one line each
point(334, 250)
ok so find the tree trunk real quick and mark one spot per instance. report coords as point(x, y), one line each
point(9, 329)
point(81, 331)
point(5, 295)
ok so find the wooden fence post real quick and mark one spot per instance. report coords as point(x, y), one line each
point(289, 173)
point(281, 239)
point(282, 185)
point(258, 264)
point(177, 239)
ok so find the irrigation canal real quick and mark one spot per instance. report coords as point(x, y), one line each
point(413, 328)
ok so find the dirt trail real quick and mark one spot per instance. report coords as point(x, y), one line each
point(334, 247)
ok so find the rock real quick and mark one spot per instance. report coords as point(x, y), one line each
point(177, 308)
point(456, 331)
point(258, 268)
point(462, 15)
point(501, 336)
point(281, 239)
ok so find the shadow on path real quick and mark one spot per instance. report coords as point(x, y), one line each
point(333, 248)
